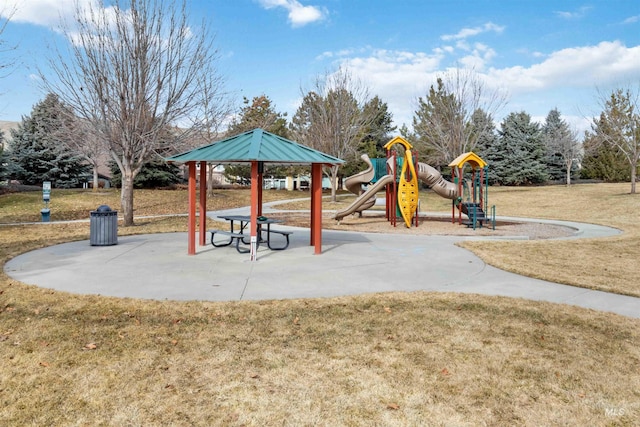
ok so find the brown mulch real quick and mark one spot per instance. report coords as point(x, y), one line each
point(376, 223)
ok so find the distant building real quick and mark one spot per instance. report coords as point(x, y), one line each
point(6, 128)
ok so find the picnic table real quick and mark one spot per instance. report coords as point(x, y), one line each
point(239, 237)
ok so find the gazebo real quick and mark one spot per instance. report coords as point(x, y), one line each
point(257, 148)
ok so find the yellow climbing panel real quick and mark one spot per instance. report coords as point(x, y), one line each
point(408, 189)
point(408, 185)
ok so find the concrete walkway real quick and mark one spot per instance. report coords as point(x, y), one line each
point(157, 266)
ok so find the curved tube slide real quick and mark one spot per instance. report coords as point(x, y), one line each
point(434, 179)
point(365, 198)
point(354, 182)
point(354, 185)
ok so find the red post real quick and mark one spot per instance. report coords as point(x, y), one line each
point(202, 229)
point(316, 207)
point(191, 227)
point(260, 188)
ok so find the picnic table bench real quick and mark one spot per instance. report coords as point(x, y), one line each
point(239, 236)
point(232, 236)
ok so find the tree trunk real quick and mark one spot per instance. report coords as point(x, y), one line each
point(334, 183)
point(569, 173)
point(633, 178)
point(126, 198)
point(210, 180)
point(96, 182)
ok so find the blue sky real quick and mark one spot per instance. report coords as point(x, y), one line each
point(543, 54)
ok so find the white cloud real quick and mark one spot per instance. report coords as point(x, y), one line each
point(471, 32)
point(47, 13)
point(338, 54)
point(587, 66)
point(580, 13)
point(398, 77)
point(563, 79)
point(479, 56)
point(632, 19)
point(299, 15)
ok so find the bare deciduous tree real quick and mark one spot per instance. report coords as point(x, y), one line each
point(7, 62)
point(332, 117)
point(442, 122)
point(135, 71)
point(570, 149)
point(78, 137)
point(619, 126)
point(561, 142)
point(215, 110)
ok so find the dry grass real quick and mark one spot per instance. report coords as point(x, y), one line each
point(604, 264)
point(608, 264)
point(386, 359)
point(77, 204)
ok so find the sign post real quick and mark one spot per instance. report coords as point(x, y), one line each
point(46, 197)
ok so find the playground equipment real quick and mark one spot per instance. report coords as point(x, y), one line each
point(402, 190)
point(475, 203)
point(366, 199)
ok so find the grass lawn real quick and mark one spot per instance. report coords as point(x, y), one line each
point(392, 359)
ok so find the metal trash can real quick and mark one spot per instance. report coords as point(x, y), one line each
point(104, 227)
point(46, 214)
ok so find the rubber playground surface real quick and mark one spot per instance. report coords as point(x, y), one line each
point(156, 266)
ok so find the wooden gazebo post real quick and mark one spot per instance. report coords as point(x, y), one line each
point(316, 207)
point(202, 207)
point(191, 227)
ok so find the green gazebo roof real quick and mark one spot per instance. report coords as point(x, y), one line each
point(256, 145)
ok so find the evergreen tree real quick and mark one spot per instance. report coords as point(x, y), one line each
point(332, 118)
point(37, 151)
point(438, 123)
point(154, 174)
point(602, 160)
point(442, 121)
point(484, 131)
point(562, 148)
point(258, 112)
point(4, 159)
point(518, 156)
point(376, 135)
